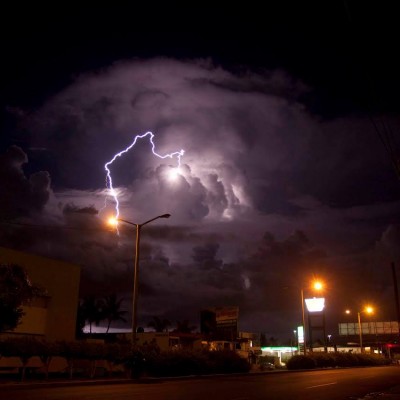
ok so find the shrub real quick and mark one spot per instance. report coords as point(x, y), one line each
point(346, 360)
point(187, 362)
point(71, 351)
point(301, 362)
point(324, 360)
point(227, 361)
point(22, 347)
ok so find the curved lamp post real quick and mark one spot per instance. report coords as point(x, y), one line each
point(136, 268)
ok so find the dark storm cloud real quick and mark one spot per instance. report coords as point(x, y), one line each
point(269, 194)
point(205, 256)
point(72, 208)
point(246, 132)
point(21, 195)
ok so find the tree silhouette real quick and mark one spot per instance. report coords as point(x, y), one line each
point(263, 340)
point(184, 326)
point(92, 310)
point(15, 290)
point(159, 325)
point(111, 310)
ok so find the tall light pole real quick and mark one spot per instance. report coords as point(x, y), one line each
point(360, 330)
point(317, 286)
point(304, 322)
point(136, 269)
point(367, 310)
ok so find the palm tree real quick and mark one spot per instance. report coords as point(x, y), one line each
point(111, 310)
point(92, 310)
point(159, 325)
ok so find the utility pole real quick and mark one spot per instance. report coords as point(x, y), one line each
point(396, 295)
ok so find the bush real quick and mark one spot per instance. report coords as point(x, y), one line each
point(371, 359)
point(301, 362)
point(323, 360)
point(346, 360)
point(326, 360)
point(22, 347)
point(134, 363)
point(186, 362)
point(226, 361)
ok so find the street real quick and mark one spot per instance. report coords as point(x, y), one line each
point(336, 384)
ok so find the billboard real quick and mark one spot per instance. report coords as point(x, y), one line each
point(220, 322)
point(300, 334)
point(316, 304)
point(369, 328)
point(225, 315)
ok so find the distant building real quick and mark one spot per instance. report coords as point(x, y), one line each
point(52, 317)
point(220, 323)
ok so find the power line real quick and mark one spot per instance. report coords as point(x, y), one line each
point(60, 227)
point(381, 127)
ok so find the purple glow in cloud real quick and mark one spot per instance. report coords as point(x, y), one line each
point(109, 182)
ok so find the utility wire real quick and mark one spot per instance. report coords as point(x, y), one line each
point(54, 227)
point(382, 127)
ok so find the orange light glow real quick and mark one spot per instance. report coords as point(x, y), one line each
point(369, 309)
point(318, 285)
point(113, 221)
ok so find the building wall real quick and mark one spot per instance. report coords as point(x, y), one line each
point(56, 319)
point(161, 338)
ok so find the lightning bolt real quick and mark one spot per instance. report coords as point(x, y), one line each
point(109, 181)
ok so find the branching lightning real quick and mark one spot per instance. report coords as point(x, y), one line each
point(109, 181)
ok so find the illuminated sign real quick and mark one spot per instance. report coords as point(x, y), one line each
point(226, 314)
point(300, 334)
point(316, 304)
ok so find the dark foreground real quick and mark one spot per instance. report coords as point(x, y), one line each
point(336, 384)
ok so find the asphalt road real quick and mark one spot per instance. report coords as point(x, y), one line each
point(340, 384)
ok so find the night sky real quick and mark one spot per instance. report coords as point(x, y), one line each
point(289, 118)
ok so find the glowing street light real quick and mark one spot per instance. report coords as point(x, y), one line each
point(114, 221)
point(316, 285)
point(314, 305)
point(367, 310)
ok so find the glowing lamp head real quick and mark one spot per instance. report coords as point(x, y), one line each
point(369, 310)
point(318, 285)
point(113, 221)
point(348, 312)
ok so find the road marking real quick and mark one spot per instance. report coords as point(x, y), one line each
point(325, 384)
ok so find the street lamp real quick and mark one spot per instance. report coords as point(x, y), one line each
point(367, 310)
point(114, 221)
point(316, 285)
point(304, 323)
